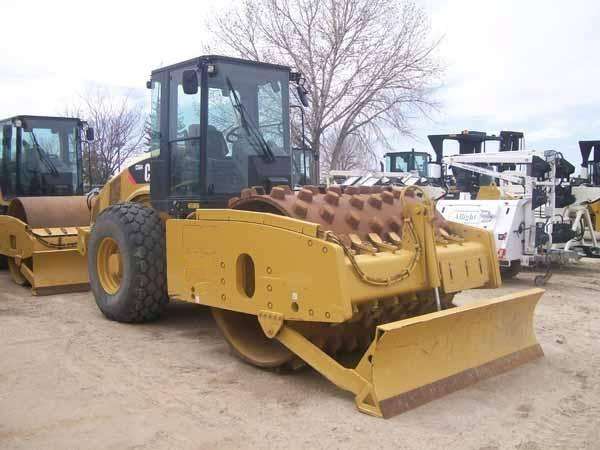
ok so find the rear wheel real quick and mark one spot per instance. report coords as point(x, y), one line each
point(127, 261)
point(592, 252)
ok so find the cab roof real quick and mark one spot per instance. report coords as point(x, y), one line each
point(28, 116)
point(208, 59)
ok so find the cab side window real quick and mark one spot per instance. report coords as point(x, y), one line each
point(154, 141)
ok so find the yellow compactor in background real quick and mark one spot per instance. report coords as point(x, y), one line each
point(42, 202)
point(357, 283)
point(587, 187)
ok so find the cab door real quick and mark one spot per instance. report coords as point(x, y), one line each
point(178, 172)
point(185, 159)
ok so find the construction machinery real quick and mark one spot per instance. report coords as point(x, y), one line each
point(411, 168)
point(356, 283)
point(586, 188)
point(530, 209)
point(415, 162)
point(406, 168)
point(471, 142)
point(42, 201)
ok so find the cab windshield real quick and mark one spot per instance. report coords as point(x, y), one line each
point(247, 130)
point(248, 124)
point(408, 162)
point(49, 157)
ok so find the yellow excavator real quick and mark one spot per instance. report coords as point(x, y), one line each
point(42, 201)
point(357, 282)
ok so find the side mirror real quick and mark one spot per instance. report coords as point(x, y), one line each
point(189, 82)
point(89, 134)
point(303, 96)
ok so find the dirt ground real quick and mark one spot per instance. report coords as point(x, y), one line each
point(71, 379)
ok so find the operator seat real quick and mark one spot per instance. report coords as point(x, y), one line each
point(223, 174)
point(186, 166)
point(216, 147)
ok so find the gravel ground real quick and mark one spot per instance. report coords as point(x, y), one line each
point(71, 379)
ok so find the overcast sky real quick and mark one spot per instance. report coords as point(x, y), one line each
point(521, 65)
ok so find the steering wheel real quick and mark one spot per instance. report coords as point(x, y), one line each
point(234, 135)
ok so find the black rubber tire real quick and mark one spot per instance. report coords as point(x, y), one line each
point(508, 273)
point(140, 235)
point(592, 252)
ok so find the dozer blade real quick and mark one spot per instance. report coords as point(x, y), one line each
point(44, 258)
point(417, 360)
point(57, 272)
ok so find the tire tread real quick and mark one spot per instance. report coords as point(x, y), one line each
point(146, 297)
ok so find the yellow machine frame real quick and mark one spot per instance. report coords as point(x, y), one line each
point(219, 258)
point(594, 208)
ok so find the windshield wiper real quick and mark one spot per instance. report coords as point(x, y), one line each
point(44, 155)
point(249, 126)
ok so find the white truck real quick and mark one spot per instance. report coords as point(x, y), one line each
point(524, 208)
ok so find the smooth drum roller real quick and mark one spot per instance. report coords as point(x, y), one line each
point(51, 212)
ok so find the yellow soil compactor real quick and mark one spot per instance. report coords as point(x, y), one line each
point(42, 202)
point(357, 283)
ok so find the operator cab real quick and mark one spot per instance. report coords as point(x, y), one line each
point(41, 156)
point(219, 125)
point(411, 161)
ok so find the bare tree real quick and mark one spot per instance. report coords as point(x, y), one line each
point(369, 65)
point(358, 151)
point(119, 126)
